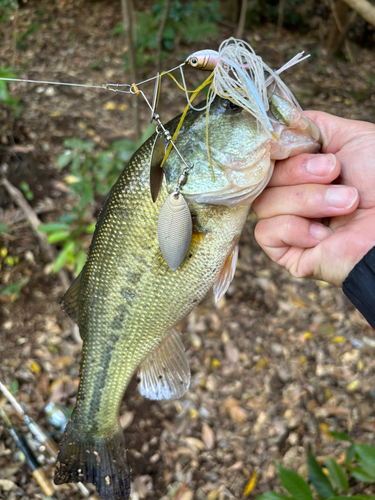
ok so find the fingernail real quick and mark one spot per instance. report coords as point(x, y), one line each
point(321, 164)
point(319, 232)
point(341, 196)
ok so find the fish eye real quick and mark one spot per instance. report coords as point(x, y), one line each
point(193, 61)
point(232, 106)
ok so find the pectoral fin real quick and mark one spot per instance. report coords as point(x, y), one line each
point(226, 275)
point(69, 302)
point(165, 373)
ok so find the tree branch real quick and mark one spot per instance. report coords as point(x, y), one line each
point(127, 15)
point(159, 38)
point(364, 9)
point(241, 22)
point(35, 222)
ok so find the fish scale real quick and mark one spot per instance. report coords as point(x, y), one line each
point(127, 301)
point(150, 317)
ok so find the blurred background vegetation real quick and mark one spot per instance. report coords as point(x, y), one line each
point(154, 31)
point(61, 150)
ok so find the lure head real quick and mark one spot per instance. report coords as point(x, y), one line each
point(241, 153)
point(203, 59)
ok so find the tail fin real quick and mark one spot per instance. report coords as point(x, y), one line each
point(101, 461)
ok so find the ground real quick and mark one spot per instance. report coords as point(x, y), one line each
point(275, 364)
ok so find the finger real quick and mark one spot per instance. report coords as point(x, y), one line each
point(336, 131)
point(308, 200)
point(277, 235)
point(305, 169)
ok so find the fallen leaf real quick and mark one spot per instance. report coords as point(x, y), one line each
point(195, 443)
point(238, 414)
point(208, 436)
point(126, 419)
point(7, 484)
point(251, 484)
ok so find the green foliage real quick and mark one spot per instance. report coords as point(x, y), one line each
point(13, 290)
point(5, 97)
point(21, 37)
point(297, 13)
point(14, 386)
point(90, 170)
point(318, 478)
point(6, 9)
point(359, 463)
point(26, 190)
point(4, 228)
point(190, 22)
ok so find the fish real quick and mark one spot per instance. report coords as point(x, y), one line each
point(127, 302)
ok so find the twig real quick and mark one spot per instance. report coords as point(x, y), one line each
point(364, 9)
point(242, 20)
point(159, 38)
point(35, 222)
point(127, 10)
point(15, 26)
point(340, 30)
point(280, 20)
point(345, 29)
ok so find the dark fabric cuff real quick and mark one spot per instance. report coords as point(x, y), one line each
point(359, 286)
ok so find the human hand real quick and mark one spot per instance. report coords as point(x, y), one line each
point(337, 187)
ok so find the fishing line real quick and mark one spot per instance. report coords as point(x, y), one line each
point(103, 86)
point(114, 87)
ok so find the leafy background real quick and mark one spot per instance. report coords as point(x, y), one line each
point(278, 364)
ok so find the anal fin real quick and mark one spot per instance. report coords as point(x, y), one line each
point(165, 373)
point(70, 301)
point(226, 274)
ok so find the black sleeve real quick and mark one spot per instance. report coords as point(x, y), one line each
point(359, 286)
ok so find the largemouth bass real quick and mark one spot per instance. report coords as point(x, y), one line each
point(127, 302)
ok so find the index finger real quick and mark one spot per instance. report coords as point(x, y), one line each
point(305, 169)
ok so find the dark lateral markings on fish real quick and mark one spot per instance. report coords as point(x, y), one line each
point(127, 302)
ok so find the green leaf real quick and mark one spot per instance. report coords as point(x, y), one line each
point(91, 228)
point(76, 163)
point(272, 495)
point(64, 159)
point(87, 195)
point(354, 497)
point(4, 228)
point(80, 259)
point(63, 257)
point(361, 475)
point(340, 435)
point(14, 386)
point(15, 288)
point(78, 144)
point(58, 236)
point(366, 458)
point(350, 452)
point(52, 226)
point(294, 484)
point(318, 478)
point(337, 474)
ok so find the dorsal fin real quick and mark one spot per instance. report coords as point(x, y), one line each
point(70, 302)
point(226, 274)
point(165, 373)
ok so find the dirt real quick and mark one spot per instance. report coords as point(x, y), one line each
point(275, 364)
